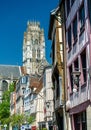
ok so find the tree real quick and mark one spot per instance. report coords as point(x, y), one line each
point(5, 105)
point(30, 119)
point(18, 119)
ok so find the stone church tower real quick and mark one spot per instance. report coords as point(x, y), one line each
point(34, 48)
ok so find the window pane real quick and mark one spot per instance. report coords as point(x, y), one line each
point(71, 77)
point(68, 6)
point(72, 2)
point(83, 119)
point(89, 9)
point(69, 37)
point(82, 16)
point(83, 62)
point(75, 28)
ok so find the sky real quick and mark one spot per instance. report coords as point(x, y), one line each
point(14, 15)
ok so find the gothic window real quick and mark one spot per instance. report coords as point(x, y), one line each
point(36, 41)
point(38, 53)
point(32, 39)
point(4, 85)
point(33, 53)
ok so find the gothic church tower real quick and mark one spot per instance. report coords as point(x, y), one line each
point(33, 47)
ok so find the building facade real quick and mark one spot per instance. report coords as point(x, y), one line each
point(48, 97)
point(78, 37)
point(37, 102)
point(8, 75)
point(57, 35)
point(77, 42)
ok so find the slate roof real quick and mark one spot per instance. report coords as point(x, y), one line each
point(8, 71)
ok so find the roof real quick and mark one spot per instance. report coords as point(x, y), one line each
point(9, 71)
point(36, 82)
point(52, 17)
point(52, 20)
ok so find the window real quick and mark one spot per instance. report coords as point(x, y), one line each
point(83, 62)
point(82, 17)
point(33, 53)
point(77, 121)
point(72, 2)
point(36, 41)
point(57, 85)
point(80, 121)
point(38, 53)
point(24, 79)
point(71, 77)
point(4, 85)
point(89, 10)
point(76, 68)
point(76, 65)
point(32, 39)
point(68, 6)
point(69, 37)
point(75, 28)
point(83, 119)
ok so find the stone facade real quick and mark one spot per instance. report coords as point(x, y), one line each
point(33, 47)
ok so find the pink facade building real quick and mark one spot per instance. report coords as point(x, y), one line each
point(78, 40)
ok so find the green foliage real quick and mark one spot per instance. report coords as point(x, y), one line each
point(44, 128)
point(18, 120)
point(5, 105)
point(30, 119)
point(12, 87)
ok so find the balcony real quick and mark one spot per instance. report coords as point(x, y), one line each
point(80, 96)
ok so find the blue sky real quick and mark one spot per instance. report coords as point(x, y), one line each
point(14, 15)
